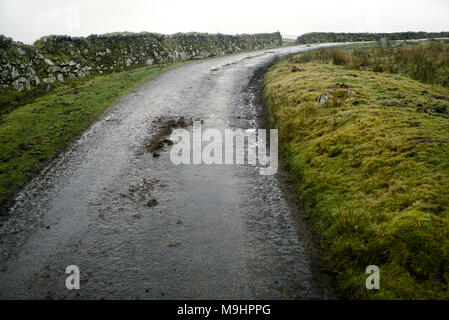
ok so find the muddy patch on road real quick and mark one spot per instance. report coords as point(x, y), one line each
point(159, 137)
point(143, 192)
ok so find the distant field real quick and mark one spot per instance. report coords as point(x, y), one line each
point(427, 62)
point(371, 161)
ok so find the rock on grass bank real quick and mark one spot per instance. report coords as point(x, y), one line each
point(371, 161)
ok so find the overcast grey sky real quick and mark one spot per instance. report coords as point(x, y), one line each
point(28, 20)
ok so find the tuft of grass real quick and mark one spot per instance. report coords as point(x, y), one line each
point(33, 134)
point(372, 169)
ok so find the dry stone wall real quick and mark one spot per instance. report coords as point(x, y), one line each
point(53, 59)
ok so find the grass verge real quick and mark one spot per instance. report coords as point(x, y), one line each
point(33, 134)
point(372, 169)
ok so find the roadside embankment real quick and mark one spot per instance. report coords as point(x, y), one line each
point(369, 152)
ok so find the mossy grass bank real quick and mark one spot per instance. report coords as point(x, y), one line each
point(370, 154)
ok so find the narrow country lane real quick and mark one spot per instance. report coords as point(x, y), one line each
point(213, 232)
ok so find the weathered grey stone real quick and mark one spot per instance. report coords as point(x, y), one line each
point(15, 73)
point(60, 77)
point(323, 98)
point(205, 54)
point(21, 83)
point(18, 85)
point(53, 69)
point(50, 79)
point(184, 56)
point(149, 62)
point(49, 62)
point(128, 62)
point(21, 51)
point(36, 80)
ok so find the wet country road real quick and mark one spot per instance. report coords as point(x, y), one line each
point(217, 232)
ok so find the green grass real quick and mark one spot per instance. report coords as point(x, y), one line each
point(33, 134)
point(372, 169)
